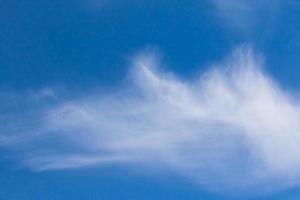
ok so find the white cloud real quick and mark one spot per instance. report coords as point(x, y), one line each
point(232, 129)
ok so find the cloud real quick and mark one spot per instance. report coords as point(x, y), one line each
point(232, 129)
point(245, 16)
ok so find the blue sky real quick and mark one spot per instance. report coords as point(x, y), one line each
point(149, 99)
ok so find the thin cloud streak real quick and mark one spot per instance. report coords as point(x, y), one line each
point(232, 129)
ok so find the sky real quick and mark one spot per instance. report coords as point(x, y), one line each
point(161, 99)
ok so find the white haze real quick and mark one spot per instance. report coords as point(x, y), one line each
point(231, 129)
point(248, 16)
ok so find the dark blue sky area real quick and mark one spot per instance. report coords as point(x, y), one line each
point(84, 44)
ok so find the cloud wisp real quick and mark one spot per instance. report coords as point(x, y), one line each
point(246, 16)
point(231, 129)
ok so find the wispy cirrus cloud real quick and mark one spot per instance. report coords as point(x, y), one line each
point(232, 129)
